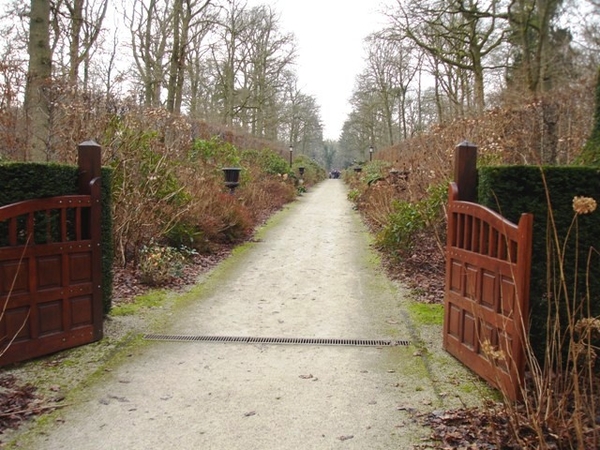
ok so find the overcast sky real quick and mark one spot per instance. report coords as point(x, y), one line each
point(329, 35)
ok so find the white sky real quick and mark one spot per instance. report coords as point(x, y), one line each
point(329, 37)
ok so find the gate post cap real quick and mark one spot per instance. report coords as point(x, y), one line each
point(90, 143)
point(466, 143)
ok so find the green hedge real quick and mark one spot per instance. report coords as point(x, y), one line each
point(25, 181)
point(517, 189)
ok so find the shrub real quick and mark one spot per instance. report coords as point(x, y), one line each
point(214, 152)
point(159, 264)
point(409, 219)
point(185, 234)
point(313, 173)
point(147, 191)
point(268, 162)
point(234, 219)
point(261, 199)
point(353, 195)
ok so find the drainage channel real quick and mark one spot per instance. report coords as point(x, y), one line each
point(278, 340)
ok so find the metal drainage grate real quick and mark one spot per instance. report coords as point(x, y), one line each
point(277, 340)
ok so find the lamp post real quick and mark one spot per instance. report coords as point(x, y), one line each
point(371, 153)
point(291, 152)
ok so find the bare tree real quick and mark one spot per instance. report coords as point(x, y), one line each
point(251, 60)
point(76, 26)
point(201, 98)
point(540, 46)
point(228, 59)
point(460, 33)
point(393, 65)
point(150, 23)
point(270, 54)
point(591, 34)
point(366, 119)
point(191, 23)
point(300, 122)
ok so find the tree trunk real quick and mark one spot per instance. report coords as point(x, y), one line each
point(37, 108)
point(76, 25)
point(176, 56)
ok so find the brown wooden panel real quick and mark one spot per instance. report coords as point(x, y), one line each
point(14, 277)
point(81, 311)
point(15, 323)
point(489, 291)
point(454, 321)
point(506, 346)
point(49, 271)
point(488, 333)
point(507, 296)
point(472, 282)
point(456, 276)
point(80, 267)
point(469, 330)
point(50, 318)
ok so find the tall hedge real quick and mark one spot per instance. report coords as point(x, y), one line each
point(517, 189)
point(26, 181)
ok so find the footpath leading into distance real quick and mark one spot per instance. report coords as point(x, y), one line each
point(351, 369)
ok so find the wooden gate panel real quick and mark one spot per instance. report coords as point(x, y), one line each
point(488, 260)
point(50, 275)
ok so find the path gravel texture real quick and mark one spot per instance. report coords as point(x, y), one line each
point(309, 274)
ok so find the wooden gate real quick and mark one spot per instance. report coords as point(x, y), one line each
point(50, 269)
point(488, 265)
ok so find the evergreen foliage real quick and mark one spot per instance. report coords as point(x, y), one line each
point(519, 189)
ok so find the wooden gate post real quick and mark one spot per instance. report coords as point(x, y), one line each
point(465, 171)
point(89, 163)
point(88, 160)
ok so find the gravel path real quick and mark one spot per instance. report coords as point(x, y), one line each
point(309, 274)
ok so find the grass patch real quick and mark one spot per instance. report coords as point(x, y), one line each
point(150, 299)
point(427, 314)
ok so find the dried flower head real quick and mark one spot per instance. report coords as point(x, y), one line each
point(584, 205)
point(588, 326)
point(491, 352)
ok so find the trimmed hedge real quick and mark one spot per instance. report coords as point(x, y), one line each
point(514, 190)
point(26, 181)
